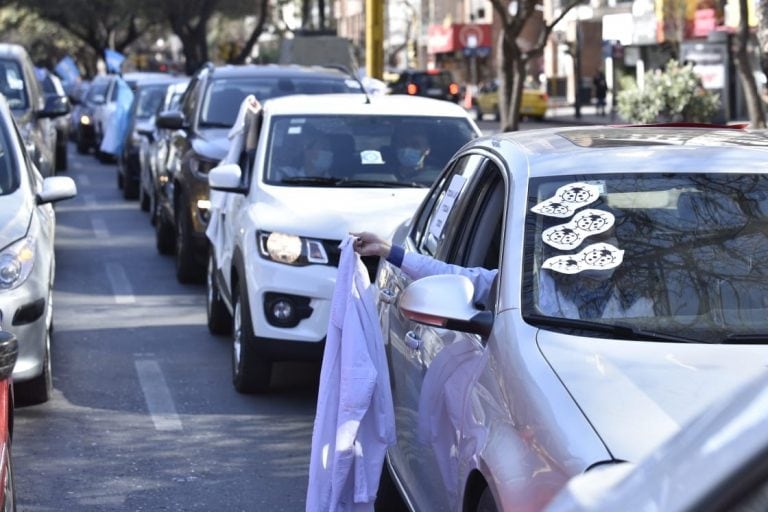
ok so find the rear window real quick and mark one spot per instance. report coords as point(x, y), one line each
point(430, 81)
point(12, 84)
point(97, 92)
point(224, 96)
point(149, 100)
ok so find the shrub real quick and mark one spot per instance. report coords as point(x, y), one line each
point(676, 94)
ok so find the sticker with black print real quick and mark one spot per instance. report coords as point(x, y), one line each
point(567, 200)
point(599, 256)
point(584, 224)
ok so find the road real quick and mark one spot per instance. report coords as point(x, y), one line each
point(144, 416)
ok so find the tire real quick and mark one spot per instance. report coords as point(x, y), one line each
point(120, 183)
point(143, 199)
point(164, 236)
point(61, 157)
point(388, 498)
point(486, 503)
point(82, 147)
point(152, 208)
point(478, 113)
point(9, 495)
point(250, 374)
point(497, 115)
point(104, 158)
point(188, 270)
point(130, 188)
point(37, 390)
point(219, 318)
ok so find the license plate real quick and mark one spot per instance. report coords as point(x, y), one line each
point(434, 92)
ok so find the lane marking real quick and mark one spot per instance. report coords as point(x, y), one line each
point(84, 180)
point(100, 229)
point(121, 285)
point(157, 395)
point(90, 200)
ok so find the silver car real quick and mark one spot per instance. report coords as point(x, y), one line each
point(27, 264)
point(630, 284)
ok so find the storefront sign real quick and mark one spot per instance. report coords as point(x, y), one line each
point(458, 37)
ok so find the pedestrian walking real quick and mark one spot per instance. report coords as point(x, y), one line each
point(601, 90)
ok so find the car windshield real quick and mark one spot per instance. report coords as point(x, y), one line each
point(12, 84)
point(362, 150)
point(9, 175)
point(680, 255)
point(432, 80)
point(224, 96)
point(97, 92)
point(148, 100)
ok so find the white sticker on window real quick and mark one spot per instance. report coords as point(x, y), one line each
point(584, 224)
point(600, 256)
point(567, 200)
point(294, 130)
point(446, 205)
point(370, 156)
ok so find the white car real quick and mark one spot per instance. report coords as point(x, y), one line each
point(626, 278)
point(273, 260)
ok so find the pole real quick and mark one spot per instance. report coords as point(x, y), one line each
point(577, 71)
point(374, 38)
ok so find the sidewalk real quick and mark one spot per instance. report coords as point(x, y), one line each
point(566, 114)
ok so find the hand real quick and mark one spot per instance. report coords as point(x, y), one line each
point(368, 244)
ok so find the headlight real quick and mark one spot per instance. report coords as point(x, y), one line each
point(84, 119)
point(16, 263)
point(201, 165)
point(291, 249)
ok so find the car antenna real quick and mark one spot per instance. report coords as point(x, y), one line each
point(346, 70)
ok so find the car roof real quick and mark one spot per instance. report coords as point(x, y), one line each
point(15, 50)
point(278, 70)
point(610, 149)
point(346, 104)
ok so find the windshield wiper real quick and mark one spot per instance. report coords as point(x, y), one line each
point(380, 184)
point(209, 124)
point(310, 180)
point(745, 339)
point(617, 329)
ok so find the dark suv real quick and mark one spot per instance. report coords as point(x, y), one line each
point(433, 83)
point(199, 141)
point(33, 113)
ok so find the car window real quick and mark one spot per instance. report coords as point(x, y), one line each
point(432, 80)
point(12, 84)
point(680, 254)
point(148, 101)
point(190, 98)
point(363, 151)
point(97, 92)
point(448, 205)
point(9, 175)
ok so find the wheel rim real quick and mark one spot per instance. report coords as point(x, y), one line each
point(8, 485)
point(237, 336)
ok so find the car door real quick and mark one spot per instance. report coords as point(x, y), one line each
point(179, 141)
point(427, 380)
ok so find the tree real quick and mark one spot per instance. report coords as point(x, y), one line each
point(673, 95)
point(514, 53)
point(744, 68)
point(262, 16)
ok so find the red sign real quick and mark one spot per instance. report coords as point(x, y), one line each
point(457, 37)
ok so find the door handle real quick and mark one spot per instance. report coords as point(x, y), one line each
point(412, 340)
point(387, 296)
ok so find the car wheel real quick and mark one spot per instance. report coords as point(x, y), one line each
point(82, 147)
point(188, 270)
point(143, 199)
point(61, 157)
point(152, 208)
point(104, 158)
point(219, 319)
point(497, 115)
point(478, 113)
point(250, 374)
point(120, 183)
point(9, 486)
point(486, 503)
point(388, 498)
point(37, 390)
point(130, 187)
point(164, 235)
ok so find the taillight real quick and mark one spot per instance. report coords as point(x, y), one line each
point(412, 89)
point(453, 88)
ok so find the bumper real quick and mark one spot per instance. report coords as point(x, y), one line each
point(26, 312)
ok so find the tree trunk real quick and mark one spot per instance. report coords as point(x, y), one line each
point(195, 47)
point(511, 84)
point(744, 69)
point(257, 30)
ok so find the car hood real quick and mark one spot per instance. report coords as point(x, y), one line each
point(212, 143)
point(331, 213)
point(15, 212)
point(636, 394)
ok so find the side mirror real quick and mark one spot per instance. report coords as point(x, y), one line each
point(227, 178)
point(9, 350)
point(445, 301)
point(55, 106)
point(170, 120)
point(56, 188)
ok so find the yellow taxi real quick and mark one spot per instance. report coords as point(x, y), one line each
point(486, 102)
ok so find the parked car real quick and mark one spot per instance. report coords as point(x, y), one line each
point(27, 259)
point(53, 91)
point(199, 141)
point(272, 265)
point(32, 111)
point(154, 154)
point(486, 102)
point(627, 270)
point(77, 94)
point(715, 463)
point(9, 348)
point(432, 83)
point(149, 94)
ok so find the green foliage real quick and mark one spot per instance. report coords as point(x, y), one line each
point(673, 95)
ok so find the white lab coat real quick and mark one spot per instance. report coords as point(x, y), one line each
point(354, 422)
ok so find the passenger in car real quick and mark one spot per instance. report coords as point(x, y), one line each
point(411, 150)
point(315, 157)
